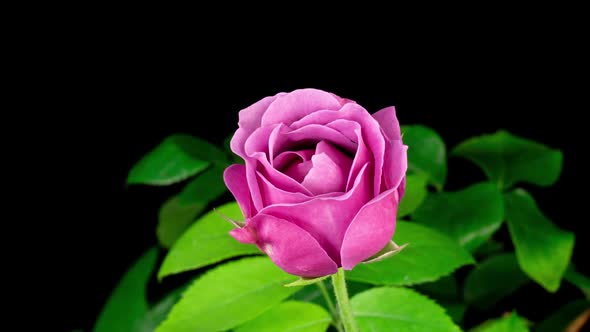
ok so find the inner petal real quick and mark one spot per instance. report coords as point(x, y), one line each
point(285, 159)
point(298, 171)
point(295, 164)
point(329, 171)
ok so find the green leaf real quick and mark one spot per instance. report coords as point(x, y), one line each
point(577, 279)
point(507, 159)
point(177, 158)
point(229, 295)
point(177, 213)
point(290, 316)
point(470, 216)
point(125, 309)
point(511, 323)
point(542, 249)
point(445, 288)
point(428, 256)
point(455, 310)
point(173, 219)
point(426, 153)
point(559, 320)
point(489, 248)
point(415, 194)
point(206, 242)
point(482, 288)
point(206, 187)
point(355, 287)
point(312, 293)
point(160, 310)
point(445, 291)
point(399, 309)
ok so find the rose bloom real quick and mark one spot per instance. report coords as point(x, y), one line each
point(321, 183)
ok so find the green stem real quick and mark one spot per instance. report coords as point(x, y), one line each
point(327, 297)
point(343, 302)
point(331, 307)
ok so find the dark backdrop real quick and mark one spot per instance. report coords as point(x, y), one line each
point(128, 96)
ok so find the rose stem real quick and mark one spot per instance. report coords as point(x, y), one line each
point(330, 304)
point(343, 302)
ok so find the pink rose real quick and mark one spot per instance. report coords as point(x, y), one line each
point(321, 182)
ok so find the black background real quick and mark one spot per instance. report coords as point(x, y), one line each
point(134, 87)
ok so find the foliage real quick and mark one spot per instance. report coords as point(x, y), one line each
point(455, 262)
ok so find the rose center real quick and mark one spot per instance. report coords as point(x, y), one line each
point(321, 170)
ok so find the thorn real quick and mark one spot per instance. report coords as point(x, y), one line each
point(236, 223)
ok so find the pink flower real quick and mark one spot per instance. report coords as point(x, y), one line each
point(321, 182)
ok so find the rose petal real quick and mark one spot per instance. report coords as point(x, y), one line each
point(395, 163)
point(256, 148)
point(237, 142)
point(312, 134)
point(235, 180)
point(388, 122)
point(249, 120)
point(298, 171)
point(325, 176)
point(335, 154)
point(362, 155)
point(327, 218)
point(258, 141)
point(274, 195)
point(295, 105)
point(341, 100)
point(290, 247)
point(289, 157)
point(371, 133)
point(329, 172)
point(370, 230)
point(401, 189)
point(251, 177)
point(251, 116)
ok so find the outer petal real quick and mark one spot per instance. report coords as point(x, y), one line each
point(343, 100)
point(370, 230)
point(258, 141)
point(297, 104)
point(235, 179)
point(401, 189)
point(249, 120)
point(388, 122)
point(395, 164)
point(238, 140)
point(327, 218)
point(251, 116)
point(290, 247)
